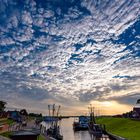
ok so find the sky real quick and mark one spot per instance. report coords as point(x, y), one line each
point(70, 52)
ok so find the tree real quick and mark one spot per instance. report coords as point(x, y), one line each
point(23, 112)
point(2, 105)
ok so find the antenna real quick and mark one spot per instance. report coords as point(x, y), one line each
point(91, 111)
point(49, 110)
point(58, 110)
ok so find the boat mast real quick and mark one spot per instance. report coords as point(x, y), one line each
point(58, 111)
point(57, 115)
point(91, 111)
point(53, 114)
point(49, 110)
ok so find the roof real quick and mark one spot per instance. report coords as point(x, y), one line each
point(25, 133)
point(136, 109)
point(138, 101)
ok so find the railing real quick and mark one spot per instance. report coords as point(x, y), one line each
point(3, 127)
point(10, 127)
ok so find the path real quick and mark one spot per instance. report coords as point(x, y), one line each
point(4, 138)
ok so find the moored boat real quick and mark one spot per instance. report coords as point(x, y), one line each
point(53, 131)
point(96, 130)
point(81, 124)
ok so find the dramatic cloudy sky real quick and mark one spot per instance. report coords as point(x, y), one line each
point(70, 52)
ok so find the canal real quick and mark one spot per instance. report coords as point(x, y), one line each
point(69, 134)
point(66, 126)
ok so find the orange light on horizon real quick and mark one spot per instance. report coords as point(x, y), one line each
point(111, 107)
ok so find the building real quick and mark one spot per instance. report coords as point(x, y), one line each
point(136, 109)
point(3, 114)
point(14, 115)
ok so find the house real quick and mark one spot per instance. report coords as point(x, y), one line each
point(136, 109)
point(14, 115)
point(3, 114)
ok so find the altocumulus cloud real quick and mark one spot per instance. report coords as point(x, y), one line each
point(71, 49)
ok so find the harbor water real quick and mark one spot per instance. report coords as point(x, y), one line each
point(68, 133)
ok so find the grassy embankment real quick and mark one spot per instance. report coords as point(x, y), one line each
point(7, 134)
point(41, 137)
point(123, 127)
point(6, 121)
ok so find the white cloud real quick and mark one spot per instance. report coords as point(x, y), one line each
point(44, 49)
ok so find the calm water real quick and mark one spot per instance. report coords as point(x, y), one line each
point(68, 133)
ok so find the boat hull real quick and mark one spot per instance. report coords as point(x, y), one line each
point(79, 127)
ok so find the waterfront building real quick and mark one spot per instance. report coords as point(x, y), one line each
point(136, 109)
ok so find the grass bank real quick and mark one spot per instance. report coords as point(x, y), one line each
point(7, 134)
point(126, 128)
point(41, 137)
point(6, 121)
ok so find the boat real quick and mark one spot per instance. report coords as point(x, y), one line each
point(53, 131)
point(50, 119)
point(96, 130)
point(81, 124)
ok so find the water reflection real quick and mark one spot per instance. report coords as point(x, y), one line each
point(69, 134)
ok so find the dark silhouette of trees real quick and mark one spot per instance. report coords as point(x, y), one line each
point(23, 112)
point(2, 105)
point(35, 115)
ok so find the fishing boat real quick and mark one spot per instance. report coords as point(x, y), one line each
point(53, 131)
point(81, 123)
point(50, 119)
point(96, 130)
